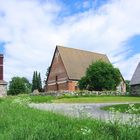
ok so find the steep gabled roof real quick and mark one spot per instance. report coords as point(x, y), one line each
point(77, 61)
point(136, 76)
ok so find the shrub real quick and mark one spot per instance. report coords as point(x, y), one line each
point(19, 85)
point(100, 76)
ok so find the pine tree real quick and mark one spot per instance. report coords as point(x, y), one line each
point(48, 71)
point(33, 82)
point(39, 83)
point(36, 81)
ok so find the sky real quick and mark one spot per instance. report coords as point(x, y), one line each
point(31, 29)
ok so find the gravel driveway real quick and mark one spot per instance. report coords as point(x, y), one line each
point(83, 110)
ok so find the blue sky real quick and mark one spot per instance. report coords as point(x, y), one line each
point(2, 47)
point(134, 43)
point(30, 30)
point(77, 6)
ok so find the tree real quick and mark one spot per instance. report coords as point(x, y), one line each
point(83, 83)
point(19, 85)
point(33, 82)
point(39, 83)
point(48, 71)
point(27, 84)
point(100, 76)
point(36, 81)
point(46, 75)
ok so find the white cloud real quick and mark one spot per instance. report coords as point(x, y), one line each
point(33, 29)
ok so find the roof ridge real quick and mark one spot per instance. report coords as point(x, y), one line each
point(59, 46)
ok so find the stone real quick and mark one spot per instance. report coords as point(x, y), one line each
point(135, 90)
point(36, 92)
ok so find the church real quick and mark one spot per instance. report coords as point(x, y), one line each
point(69, 65)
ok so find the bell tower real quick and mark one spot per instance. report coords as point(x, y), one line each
point(1, 67)
point(3, 84)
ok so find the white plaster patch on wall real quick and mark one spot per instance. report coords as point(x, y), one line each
point(3, 90)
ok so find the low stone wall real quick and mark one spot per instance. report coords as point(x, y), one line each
point(135, 90)
point(80, 93)
point(3, 90)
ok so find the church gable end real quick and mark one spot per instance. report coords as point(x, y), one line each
point(57, 78)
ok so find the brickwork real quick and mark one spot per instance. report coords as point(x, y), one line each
point(51, 88)
point(57, 75)
point(72, 85)
point(58, 87)
point(63, 86)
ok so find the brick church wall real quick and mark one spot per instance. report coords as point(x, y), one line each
point(57, 79)
point(72, 85)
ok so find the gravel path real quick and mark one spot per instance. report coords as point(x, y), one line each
point(84, 110)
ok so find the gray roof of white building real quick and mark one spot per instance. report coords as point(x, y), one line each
point(136, 76)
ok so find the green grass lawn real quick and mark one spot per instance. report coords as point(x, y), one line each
point(34, 99)
point(19, 122)
point(124, 108)
point(97, 99)
point(41, 99)
point(79, 99)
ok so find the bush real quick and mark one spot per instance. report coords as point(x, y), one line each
point(19, 85)
point(100, 76)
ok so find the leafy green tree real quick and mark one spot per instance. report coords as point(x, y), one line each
point(100, 76)
point(82, 84)
point(28, 85)
point(19, 85)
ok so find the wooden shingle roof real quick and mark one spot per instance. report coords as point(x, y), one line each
point(136, 76)
point(77, 61)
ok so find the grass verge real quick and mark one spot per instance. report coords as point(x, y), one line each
point(124, 108)
point(41, 99)
point(34, 99)
point(97, 99)
point(19, 122)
